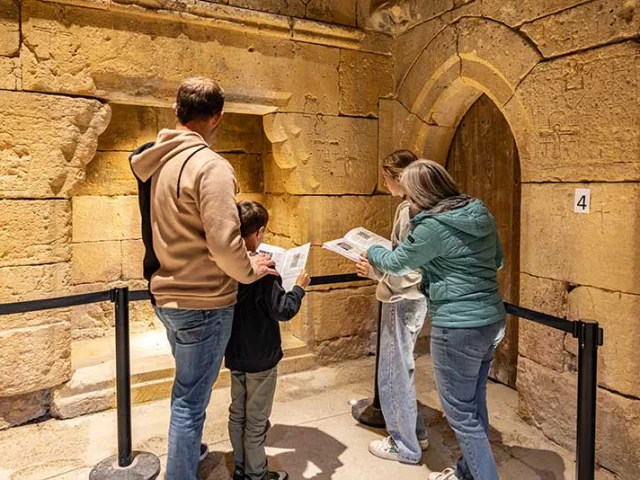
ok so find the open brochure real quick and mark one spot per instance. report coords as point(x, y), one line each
point(355, 243)
point(289, 263)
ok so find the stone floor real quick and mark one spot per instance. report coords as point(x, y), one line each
point(313, 435)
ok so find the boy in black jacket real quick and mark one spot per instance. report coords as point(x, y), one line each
point(253, 353)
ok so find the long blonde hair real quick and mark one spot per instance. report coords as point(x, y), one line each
point(427, 183)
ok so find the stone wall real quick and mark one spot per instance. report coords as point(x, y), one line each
point(332, 88)
point(565, 76)
point(83, 82)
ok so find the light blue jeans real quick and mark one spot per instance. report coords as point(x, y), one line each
point(461, 359)
point(198, 340)
point(399, 329)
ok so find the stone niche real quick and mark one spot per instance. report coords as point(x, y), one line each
point(316, 175)
point(110, 251)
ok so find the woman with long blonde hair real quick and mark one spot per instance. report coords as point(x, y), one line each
point(454, 243)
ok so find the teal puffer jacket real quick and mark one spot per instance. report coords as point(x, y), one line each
point(459, 254)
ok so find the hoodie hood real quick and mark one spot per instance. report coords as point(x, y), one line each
point(150, 157)
point(473, 219)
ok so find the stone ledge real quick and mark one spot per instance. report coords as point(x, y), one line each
point(92, 387)
point(284, 72)
point(240, 19)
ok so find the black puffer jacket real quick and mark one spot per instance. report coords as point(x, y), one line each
point(255, 344)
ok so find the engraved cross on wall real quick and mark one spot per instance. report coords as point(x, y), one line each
point(557, 136)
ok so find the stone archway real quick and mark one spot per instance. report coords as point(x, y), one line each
point(464, 62)
point(471, 57)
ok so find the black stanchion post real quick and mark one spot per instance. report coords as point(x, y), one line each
point(368, 411)
point(126, 464)
point(589, 338)
point(123, 376)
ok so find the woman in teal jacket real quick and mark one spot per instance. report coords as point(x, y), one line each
point(454, 243)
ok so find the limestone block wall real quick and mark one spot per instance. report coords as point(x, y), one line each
point(83, 82)
point(565, 76)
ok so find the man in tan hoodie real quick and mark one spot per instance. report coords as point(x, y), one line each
point(194, 258)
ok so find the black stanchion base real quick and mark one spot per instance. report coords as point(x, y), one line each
point(364, 412)
point(145, 466)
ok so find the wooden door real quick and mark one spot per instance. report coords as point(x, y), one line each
point(483, 159)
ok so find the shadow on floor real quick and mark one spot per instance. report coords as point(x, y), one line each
point(514, 462)
point(304, 452)
point(310, 454)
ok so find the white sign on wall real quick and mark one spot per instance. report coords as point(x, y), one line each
point(582, 201)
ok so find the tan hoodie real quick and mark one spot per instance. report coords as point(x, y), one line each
point(194, 222)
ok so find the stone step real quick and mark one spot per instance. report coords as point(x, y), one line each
point(92, 386)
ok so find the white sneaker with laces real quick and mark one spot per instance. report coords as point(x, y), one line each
point(385, 448)
point(446, 474)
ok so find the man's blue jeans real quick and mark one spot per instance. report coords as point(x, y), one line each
point(198, 340)
point(461, 359)
point(400, 326)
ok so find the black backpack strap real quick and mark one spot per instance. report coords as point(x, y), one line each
point(184, 165)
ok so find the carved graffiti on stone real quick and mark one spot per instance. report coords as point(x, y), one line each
point(574, 77)
point(559, 141)
point(337, 164)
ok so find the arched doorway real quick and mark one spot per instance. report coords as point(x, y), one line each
point(483, 158)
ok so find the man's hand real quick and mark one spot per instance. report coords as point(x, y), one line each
point(263, 265)
point(303, 280)
point(363, 267)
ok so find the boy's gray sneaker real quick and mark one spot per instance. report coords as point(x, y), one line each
point(238, 473)
point(277, 476)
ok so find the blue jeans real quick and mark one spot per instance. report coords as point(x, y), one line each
point(461, 359)
point(198, 340)
point(400, 326)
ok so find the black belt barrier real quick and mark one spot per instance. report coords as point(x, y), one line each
point(128, 464)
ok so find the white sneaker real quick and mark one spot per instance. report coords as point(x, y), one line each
point(424, 444)
point(385, 448)
point(446, 474)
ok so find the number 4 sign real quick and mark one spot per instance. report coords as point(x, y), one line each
point(582, 202)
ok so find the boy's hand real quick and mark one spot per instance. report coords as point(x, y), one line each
point(303, 280)
point(363, 267)
point(263, 265)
